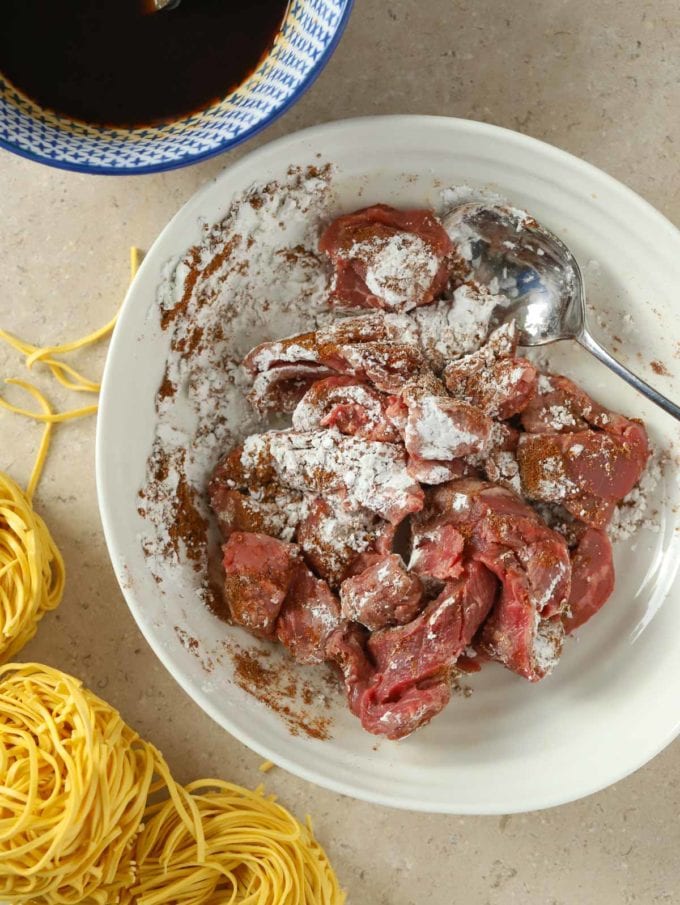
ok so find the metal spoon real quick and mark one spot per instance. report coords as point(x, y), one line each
point(510, 251)
point(164, 4)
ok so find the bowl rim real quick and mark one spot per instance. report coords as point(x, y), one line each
point(313, 73)
point(395, 801)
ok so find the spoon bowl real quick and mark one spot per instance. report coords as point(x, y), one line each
point(511, 253)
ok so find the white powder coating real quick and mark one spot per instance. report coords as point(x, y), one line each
point(547, 647)
point(436, 434)
point(400, 268)
point(310, 411)
point(370, 475)
point(560, 417)
point(253, 277)
point(633, 512)
point(555, 486)
point(452, 327)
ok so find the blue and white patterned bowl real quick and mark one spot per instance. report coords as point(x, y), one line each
point(309, 35)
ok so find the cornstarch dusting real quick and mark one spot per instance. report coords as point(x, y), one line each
point(255, 276)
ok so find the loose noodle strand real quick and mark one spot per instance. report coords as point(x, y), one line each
point(32, 573)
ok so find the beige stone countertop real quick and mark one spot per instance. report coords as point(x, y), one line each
point(601, 80)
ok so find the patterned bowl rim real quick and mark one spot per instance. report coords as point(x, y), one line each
point(311, 76)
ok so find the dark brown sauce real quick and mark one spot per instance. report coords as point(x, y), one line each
point(114, 62)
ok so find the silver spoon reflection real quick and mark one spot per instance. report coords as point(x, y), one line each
point(511, 251)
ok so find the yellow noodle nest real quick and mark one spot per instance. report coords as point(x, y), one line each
point(31, 569)
point(75, 781)
point(90, 813)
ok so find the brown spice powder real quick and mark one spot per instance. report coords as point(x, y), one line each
point(278, 689)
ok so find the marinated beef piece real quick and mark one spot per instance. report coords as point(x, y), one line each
point(383, 594)
point(364, 474)
point(530, 560)
point(280, 388)
point(386, 258)
point(399, 678)
point(414, 662)
point(258, 573)
point(437, 552)
point(592, 577)
point(586, 471)
point(253, 502)
point(399, 346)
point(346, 648)
point(440, 429)
point(386, 365)
point(308, 616)
point(434, 471)
point(560, 406)
point(349, 405)
point(452, 327)
point(492, 378)
point(331, 538)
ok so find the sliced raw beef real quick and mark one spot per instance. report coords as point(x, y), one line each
point(386, 258)
point(414, 662)
point(437, 552)
point(432, 471)
point(247, 503)
point(530, 560)
point(452, 327)
point(347, 404)
point(308, 616)
point(367, 475)
point(346, 647)
point(560, 406)
point(439, 428)
point(331, 538)
point(258, 573)
point(283, 370)
point(492, 378)
point(383, 594)
point(592, 577)
point(586, 471)
point(399, 678)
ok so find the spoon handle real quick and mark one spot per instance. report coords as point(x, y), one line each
point(592, 345)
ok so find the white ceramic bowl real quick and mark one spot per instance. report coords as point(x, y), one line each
point(614, 700)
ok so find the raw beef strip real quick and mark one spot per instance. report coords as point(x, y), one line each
point(250, 504)
point(433, 471)
point(386, 258)
point(492, 378)
point(414, 662)
point(367, 475)
point(347, 404)
point(586, 471)
point(397, 679)
point(592, 577)
point(308, 616)
point(346, 647)
point(331, 538)
point(437, 552)
point(283, 370)
point(530, 560)
point(384, 364)
point(384, 594)
point(439, 428)
point(258, 573)
point(560, 406)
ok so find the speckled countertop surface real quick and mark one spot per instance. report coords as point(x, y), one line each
point(601, 80)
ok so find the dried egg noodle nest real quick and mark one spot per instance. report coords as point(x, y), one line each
point(31, 567)
point(79, 821)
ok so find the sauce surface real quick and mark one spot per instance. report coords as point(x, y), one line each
point(114, 62)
